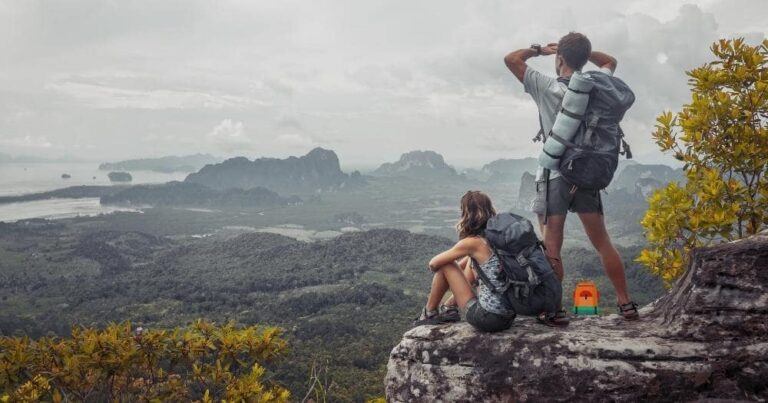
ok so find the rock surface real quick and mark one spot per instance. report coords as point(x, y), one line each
point(707, 338)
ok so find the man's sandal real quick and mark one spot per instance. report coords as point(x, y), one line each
point(561, 317)
point(629, 311)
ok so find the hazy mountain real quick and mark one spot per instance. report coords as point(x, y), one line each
point(508, 170)
point(628, 177)
point(527, 192)
point(187, 163)
point(317, 171)
point(623, 163)
point(417, 164)
point(120, 177)
point(183, 194)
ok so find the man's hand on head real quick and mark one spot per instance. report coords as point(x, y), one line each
point(550, 49)
point(603, 60)
point(515, 61)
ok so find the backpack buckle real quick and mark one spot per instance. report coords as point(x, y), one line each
point(521, 291)
point(591, 125)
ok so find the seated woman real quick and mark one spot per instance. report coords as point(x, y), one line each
point(485, 310)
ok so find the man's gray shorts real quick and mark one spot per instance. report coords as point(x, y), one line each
point(563, 197)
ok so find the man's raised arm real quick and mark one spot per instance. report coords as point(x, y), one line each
point(515, 61)
point(603, 60)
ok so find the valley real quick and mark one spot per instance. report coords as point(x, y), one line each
point(341, 268)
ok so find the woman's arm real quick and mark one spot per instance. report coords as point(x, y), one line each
point(463, 248)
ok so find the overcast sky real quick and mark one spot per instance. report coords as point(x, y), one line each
point(371, 79)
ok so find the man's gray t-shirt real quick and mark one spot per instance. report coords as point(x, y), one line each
point(547, 92)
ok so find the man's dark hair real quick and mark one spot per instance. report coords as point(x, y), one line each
point(575, 49)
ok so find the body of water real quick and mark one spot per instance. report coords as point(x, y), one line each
point(56, 208)
point(24, 178)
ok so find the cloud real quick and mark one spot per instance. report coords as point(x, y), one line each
point(26, 142)
point(108, 97)
point(229, 136)
point(384, 75)
point(227, 129)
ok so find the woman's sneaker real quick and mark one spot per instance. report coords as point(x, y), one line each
point(449, 313)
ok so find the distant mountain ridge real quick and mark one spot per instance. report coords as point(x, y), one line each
point(317, 171)
point(186, 163)
point(417, 164)
point(508, 170)
point(184, 194)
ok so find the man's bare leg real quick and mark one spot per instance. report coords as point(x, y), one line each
point(594, 226)
point(552, 232)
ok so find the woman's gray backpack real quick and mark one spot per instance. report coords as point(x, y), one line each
point(531, 286)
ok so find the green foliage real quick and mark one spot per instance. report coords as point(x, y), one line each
point(722, 137)
point(202, 362)
point(343, 302)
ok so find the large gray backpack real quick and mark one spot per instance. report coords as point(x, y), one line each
point(530, 283)
point(592, 155)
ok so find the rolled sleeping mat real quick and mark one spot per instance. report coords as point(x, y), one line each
point(574, 103)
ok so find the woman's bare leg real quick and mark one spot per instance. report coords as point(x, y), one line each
point(449, 277)
point(469, 274)
point(438, 290)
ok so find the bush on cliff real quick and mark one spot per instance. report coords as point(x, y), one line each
point(202, 362)
point(722, 137)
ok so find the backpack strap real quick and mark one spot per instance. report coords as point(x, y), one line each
point(627, 152)
point(546, 194)
point(540, 135)
point(566, 81)
point(570, 114)
point(524, 262)
point(579, 91)
point(483, 277)
point(566, 143)
point(591, 125)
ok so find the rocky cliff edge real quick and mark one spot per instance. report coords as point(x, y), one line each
point(706, 339)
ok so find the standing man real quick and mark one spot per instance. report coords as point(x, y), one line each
point(572, 52)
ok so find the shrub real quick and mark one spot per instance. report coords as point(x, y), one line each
point(202, 362)
point(722, 138)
